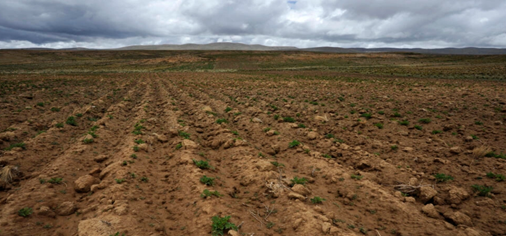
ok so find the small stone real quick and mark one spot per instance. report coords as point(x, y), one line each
point(189, 144)
point(455, 150)
point(460, 219)
point(457, 195)
point(233, 233)
point(100, 158)
point(300, 189)
point(312, 135)
point(296, 223)
point(143, 146)
point(293, 195)
point(326, 227)
point(256, 120)
point(430, 211)
point(161, 138)
point(426, 193)
point(363, 164)
point(207, 109)
point(408, 149)
point(66, 208)
point(321, 118)
point(46, 211)
point(83, 184)
point(469, 138)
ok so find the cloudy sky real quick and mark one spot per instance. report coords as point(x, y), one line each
point(301, 23)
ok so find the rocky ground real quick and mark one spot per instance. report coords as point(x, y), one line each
point(271, 152)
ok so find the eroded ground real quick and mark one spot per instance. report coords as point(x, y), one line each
point(99, 143)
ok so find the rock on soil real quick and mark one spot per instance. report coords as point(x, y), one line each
point(459, 218)
point(457, 195)
point(300, 189)
point(83, 184)
point(312, 135)
point(188, 144)
point(293, 195)
point(426, 193)
point(66, 208)
point(430, 211)
point(94, 227)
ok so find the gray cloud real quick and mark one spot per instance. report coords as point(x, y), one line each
point(302, 23)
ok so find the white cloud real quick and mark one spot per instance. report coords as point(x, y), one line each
point(303, 23)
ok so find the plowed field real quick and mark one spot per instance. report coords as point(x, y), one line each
point(277, 143)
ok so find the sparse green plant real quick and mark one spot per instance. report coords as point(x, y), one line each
point(221, 225)
point(55, 180)
point(267, 129)
point(482, 190)
point(443, 177)
point(418, 127)
point(437, 131)
point(297, 180)
point(119, 181)
point(277, 164)
point(379, 125)
point(478, 123)
point(317, 200)
point(184, 134)
point(144, 179)
point(134, 156)
point(276, 117)
point(207, 193)
point(207, 180)
point(139, 141)
point(424, 120)
point(366, 115)
point(202, 164)
point(293, 143)
point(79, 115)
point(381, 112)
point(288, 119)
point(497, 177)
point(71, 121)
point(88, 140)
point(179, 146)
point(220, 121)
point(16, 145)
point(396, 114)
point(136, 148)
point(404, 122)
point(329, 135)
point(227, 109)
point(357, 177)
point(55, 109)
point(394, 147)
point(25, 212)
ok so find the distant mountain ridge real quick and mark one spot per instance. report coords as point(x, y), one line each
point(211, 46)
point(257, 47)
point(225, 46)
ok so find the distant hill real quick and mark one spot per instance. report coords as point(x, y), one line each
point(211, 46)
point(453, 51)
point(256, 47)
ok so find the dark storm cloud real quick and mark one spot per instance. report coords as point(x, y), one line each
point(303, 23)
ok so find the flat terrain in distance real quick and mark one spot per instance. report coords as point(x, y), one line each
point(277, 143)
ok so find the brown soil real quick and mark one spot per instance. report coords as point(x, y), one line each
point(374, 181)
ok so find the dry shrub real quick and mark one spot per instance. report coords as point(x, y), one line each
point(481, 151)
point(7, 175)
